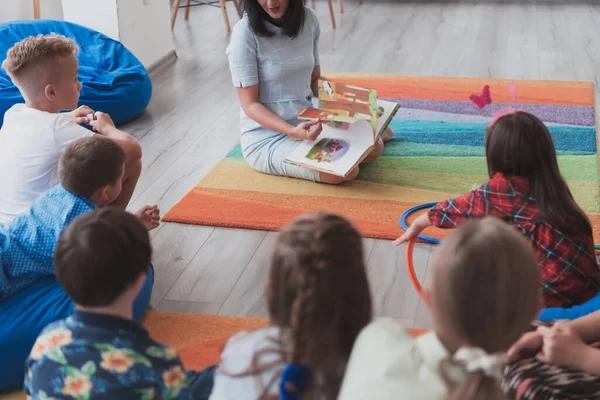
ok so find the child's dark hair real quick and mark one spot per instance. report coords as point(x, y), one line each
point(90, 163)
point(319, 297)
point(520, 144)
point(292, 21)
point(484, 294)
point(100, 255)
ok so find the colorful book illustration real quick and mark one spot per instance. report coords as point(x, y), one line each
point(353, 121)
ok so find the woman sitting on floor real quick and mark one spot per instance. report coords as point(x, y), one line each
point(274, 62)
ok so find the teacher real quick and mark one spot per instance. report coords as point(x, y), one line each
point(274, 62)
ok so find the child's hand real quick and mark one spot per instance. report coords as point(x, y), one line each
point(562, 346)
point(529, 342)
point(102, 122)
point(414, 229)
point(79, 115)
point(150, 216)
point(304, 131)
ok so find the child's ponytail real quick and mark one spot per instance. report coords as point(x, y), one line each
point(484, 375)
point(484, 295)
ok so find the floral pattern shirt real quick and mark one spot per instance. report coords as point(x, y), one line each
point(98, 356)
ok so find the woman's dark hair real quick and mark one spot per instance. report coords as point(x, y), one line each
point(520, 144)
point(320, 298)
point(292, 21)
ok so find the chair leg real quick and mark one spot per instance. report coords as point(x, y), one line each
point(174, 14)
point(331, 13)
point(36, 9)
point(237, 8)
point(187, 9)
point(341, 6)
point(225, 16)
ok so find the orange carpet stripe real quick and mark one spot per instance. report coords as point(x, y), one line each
point(271, 211)
point(459, 89)
point(373, 218)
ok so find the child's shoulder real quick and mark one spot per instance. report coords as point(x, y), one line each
point(258, 337)
point(240, 348)
point(311, 15)
point(57, 326)
point(384, 330)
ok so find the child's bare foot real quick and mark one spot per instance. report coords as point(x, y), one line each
point(150, 216)
point(387, 135)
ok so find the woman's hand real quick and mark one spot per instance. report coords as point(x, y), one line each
point(562, 346)
point(306, 131)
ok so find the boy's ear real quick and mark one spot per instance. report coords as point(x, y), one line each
point(100, 196)
point(50, 92)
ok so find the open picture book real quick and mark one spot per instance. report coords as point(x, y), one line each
point(353, 119)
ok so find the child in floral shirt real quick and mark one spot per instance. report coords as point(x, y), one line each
point(102, 261)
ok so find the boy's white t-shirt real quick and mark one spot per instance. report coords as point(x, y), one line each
point(31, 144)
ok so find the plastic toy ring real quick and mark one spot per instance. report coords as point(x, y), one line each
point(404, 226)
point(411, 268)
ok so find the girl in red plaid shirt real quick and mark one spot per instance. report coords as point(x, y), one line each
point(527, 190)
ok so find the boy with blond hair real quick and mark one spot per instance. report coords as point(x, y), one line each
point(35, 134)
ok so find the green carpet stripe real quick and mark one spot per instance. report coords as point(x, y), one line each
point(397, 148)
point(236, 152)
point(583, 168)
point(402, 148)
point(586, 195)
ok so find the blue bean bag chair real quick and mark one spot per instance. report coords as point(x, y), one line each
point(113, 79)
point(27, 313)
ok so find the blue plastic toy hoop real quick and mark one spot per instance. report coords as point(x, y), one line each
point(404, 226)
point(430, 239)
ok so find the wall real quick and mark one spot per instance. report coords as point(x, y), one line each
point(100, 15)
point(145, 28)
point(11, 10)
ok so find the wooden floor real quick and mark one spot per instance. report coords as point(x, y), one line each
point(192, 122)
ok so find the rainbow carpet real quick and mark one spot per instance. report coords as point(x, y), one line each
point(437, 153)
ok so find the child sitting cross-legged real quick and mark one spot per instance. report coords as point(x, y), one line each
point(527, 190)
point(91, 172)
point(98, 352)
point(318, 300)
point(35, 134)
point(484, 293)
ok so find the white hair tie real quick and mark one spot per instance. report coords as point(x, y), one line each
point(475, 359)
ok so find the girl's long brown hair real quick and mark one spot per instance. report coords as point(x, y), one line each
point(520, 144)
point(319, 297)
point(484, 293)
